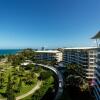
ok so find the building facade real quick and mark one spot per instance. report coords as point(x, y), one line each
point(49, 55)
point(97, 79)
point(82, 56)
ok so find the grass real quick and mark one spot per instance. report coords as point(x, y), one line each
point(45, 86)
point(25, 88)
point(28, 97)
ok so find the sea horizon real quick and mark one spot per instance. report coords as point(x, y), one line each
point(9, 51)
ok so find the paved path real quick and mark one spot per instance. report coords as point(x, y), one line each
point(31, 91)
point(60, 79)
point(60, 83)
point(39, 83)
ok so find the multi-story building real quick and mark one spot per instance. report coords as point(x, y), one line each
point(49, 55)
point(82, 56)
point(97, 79)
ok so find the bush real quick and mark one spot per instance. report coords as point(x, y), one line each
point(44, 75)
point(42, 91)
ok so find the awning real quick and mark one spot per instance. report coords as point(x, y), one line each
point(97, 36)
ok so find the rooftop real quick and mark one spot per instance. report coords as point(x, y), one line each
point(48, 51)
point(81, 48)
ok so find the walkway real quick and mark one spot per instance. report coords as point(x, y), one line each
point(60, 79)
point(31, 91)
point(60, 83)
point(39, 83)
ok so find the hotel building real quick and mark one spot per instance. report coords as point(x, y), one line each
point(97, 79)
point(82, 56)
point(49, 55)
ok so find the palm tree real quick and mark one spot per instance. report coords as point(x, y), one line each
point(54, 62)
point(32, 73)
point(9, 90)
point(75, 76)
point(1, 79)
point(76, 70)
point(74, 80)
point(19, 85)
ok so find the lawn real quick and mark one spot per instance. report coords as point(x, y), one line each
point(16, 75)
point(26, 88)
point(42, 91)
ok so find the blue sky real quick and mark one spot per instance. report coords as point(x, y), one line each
point(49, 23)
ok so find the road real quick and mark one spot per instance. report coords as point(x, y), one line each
point(59, 77)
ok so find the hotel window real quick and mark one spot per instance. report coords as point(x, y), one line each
point(91, 52)
point(91, 71)
point(91, 63)
point(92, 60)
point(91, 75)
point(91, 56)
point(91, 68)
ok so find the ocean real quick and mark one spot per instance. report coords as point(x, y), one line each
point(9, 51)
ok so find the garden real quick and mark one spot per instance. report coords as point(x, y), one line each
point(16, 80)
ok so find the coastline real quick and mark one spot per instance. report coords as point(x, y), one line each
point(9, 51)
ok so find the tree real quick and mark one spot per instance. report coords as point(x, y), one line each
point(15, 59)
point(32, 73)
point(9, 91)
point(25, 54)
point(1, 80)
point(28, 53)
point(54, 62)
point(47, 84)
point(19, 85)
point(75, 76)
point(28, 79)
point(74, 69)
point(74, 80)
point(45, 75)
point(29, 67)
